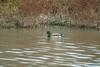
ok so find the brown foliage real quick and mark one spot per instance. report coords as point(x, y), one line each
point(35, 7)
point(76, 9)
point(81, 9)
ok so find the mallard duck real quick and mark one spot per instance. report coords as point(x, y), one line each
point(49, 34)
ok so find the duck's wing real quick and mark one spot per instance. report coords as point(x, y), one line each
point(56, 34)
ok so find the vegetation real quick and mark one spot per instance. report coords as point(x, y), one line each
point(30, 13)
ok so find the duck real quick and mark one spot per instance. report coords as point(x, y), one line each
point(49, 34)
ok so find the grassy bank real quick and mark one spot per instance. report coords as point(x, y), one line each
point(33, 13)
point(32, 22)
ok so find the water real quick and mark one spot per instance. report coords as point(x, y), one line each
point(32, 48)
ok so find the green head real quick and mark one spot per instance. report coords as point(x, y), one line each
point(49, 33)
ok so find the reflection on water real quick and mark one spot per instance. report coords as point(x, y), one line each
point(32, 48)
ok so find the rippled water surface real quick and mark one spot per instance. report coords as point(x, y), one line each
point(32, 48)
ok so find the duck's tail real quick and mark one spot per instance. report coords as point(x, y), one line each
point(62, 35)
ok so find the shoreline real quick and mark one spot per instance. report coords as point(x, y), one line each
point(67, 25)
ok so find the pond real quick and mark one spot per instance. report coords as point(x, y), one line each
point(32, 48)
